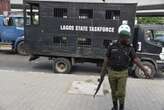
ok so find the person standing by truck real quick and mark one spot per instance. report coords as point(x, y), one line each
point(117, 60)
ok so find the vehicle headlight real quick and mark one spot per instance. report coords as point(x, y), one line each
point(163, 50)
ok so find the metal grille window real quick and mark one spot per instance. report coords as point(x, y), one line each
point(106, 43)
point(85, 13)
point(113, 14)
point(84, 42)
point(60, 12)
point(60, 41)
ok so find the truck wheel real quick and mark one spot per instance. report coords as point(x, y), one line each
point(152, 71)
point(61, 65)
point(21, 48)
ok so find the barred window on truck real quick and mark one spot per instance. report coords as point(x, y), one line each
point(32, 14)
point(85, 13)
point(60, 12)
point(84, 42)
point(113, 14)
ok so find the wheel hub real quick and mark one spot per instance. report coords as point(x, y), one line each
point(61, 67)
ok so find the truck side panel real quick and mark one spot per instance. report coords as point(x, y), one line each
point(74, 36)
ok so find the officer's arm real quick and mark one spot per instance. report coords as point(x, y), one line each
point(137, 61)
point(105, 64)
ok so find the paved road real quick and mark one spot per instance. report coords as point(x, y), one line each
point(20, 63)
point(33, 86)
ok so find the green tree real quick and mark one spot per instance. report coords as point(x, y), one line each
point(150, 20)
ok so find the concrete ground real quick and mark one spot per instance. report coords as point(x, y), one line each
point(34, 86)
point(23, 90)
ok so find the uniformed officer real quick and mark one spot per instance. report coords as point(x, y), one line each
point(116, 63)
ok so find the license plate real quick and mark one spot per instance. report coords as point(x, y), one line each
point(5, 47)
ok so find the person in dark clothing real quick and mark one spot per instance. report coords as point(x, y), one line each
point(117, 60)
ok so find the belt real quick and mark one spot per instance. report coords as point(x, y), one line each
point(118, 69)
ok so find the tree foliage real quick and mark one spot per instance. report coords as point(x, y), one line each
point(150, 20)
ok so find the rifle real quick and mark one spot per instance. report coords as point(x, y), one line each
point(100, 80)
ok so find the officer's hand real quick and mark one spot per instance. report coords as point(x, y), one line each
point(147, 73)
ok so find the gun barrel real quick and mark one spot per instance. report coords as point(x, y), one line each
point(98, 87)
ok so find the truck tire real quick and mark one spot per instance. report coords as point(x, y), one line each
point(61, 65)
point(20, 48)
point(152, 71)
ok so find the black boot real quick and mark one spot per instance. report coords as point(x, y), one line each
point(121, 103)
point(121, 107)
point(115, 105)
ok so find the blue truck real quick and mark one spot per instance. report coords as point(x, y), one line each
point(12, 34)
